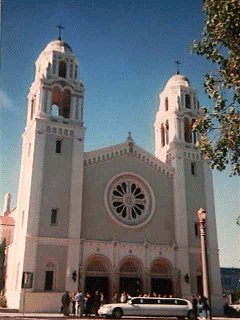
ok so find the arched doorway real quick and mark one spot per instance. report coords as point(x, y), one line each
point(161, 278)
point(130, 277)
point(97, 276)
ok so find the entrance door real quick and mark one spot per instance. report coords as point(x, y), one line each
point(162, 286)
point(97, 283)
point(131, 286)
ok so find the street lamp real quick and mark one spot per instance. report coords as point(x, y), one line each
point(202, 215)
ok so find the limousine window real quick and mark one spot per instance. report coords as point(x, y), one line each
point(182, 302)
point(158, 301)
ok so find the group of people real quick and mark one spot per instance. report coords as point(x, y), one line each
point(79, 304)
point(200, 306)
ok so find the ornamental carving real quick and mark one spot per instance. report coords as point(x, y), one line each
point(129, 200)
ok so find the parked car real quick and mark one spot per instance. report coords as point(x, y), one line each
point(141, 306)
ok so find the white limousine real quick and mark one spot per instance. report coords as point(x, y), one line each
point(141, 306)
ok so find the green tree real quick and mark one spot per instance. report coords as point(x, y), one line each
point(219, 126)
point(238, 220)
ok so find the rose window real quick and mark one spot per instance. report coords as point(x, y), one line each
point(129, 200)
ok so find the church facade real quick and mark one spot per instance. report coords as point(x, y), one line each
point(114, 219)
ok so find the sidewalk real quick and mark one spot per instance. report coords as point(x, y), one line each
point(43, 316)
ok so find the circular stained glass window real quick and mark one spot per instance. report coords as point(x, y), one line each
point(129, 200)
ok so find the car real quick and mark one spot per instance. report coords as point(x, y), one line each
point(147, 306)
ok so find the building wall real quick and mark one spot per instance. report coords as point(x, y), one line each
point(97, 223)
point(195, 197)
point(57, 255)
point(56, 187)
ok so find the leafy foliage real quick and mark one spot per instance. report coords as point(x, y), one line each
point(238, 220)
point(220, 43)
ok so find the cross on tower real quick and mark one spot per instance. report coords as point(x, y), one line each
point(60, 27)
point(178, 63)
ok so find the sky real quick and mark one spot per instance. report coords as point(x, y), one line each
point(127, 50)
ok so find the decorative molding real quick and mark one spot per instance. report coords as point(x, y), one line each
point(92, 158)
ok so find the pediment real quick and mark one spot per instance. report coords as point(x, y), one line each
point(126, 149)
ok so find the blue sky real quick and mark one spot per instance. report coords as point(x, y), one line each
point(127, 50)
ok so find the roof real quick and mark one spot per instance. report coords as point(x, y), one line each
point(178, 80)
point(7, 221)
point(58, 45)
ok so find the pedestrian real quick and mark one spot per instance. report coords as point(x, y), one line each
point(202, 307)
point(194, 305)
point(96, 301)
point(65, 303)
point(79, 298)
point(102, 299)
point(73, 301)
point(123, 297)
point(88, 305)
point(115, 298)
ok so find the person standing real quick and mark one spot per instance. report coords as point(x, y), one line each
point(73, 301)
point(65, 303)
point(96, 301)
point(88, 304)
point(203, 308)
point(194, 305)
point(115, 298)
point(79, 298)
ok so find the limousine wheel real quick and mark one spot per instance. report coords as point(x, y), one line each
point(117, 313)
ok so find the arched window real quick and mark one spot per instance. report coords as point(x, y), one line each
point(56, 96)
point(33, 105)
point(188, 101)
point(61, 102)
point(166, 104)
point(62, 69)
point(162, 136)
point(66, 103)
point(194, 133)
point(54, 110)
point(167, 132)
point(76, 72)
point(187, 130)
point(49, 276)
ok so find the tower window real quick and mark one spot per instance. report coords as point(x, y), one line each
point(193, 168)
point(76, 72)
point(196, 229)
point(33, 107)
point(188, 101)
point(58, 148)
point(54, 110)
point(162, 136)
point(166, 104)
point(61, 102)
point(167, 132)
point(194, 134)
point(62, 69)
point(71, 71)
point(187, 130)
point(54, 216)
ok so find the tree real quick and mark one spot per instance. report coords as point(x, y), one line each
point(238, 220)
point(219, 127)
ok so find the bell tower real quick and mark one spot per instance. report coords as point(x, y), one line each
point(177, 112)
point(175, 144)
point(47, 238)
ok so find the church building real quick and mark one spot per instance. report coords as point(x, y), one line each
point(114, 219)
